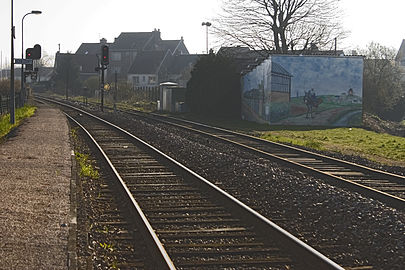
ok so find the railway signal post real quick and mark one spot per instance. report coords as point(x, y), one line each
point(105, 60)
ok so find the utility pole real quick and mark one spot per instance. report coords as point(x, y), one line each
point(102, 87)
point(12, 93)
point(105, 60)
point(115, 92)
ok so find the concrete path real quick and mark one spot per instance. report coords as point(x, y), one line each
point(35, 184)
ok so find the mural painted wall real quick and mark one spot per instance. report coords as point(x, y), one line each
point(305, 90)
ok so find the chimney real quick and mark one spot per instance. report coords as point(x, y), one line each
point(156, 34)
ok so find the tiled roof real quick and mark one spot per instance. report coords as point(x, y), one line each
point(88, 62)
point(147, 62)
point(90, 48)
point(132, 40)
point(179, 62)
point(401, 52)
point(168, 45)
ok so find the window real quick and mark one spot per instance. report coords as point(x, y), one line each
point(143, 78)
point(135, 80)
point(116, 56)
point(116, 69)
point(280, 83)
point(152, 79)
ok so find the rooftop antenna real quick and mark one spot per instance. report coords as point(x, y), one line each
point(59, 47)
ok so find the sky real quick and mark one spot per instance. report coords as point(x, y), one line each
point(72, 22)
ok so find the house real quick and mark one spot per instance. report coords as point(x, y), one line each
point(400, 58)
point(144, 71)
point(86, 63)
point(141, 58)
point(126, 47)
point(92, 48)
point(177, 68)
point(151, 68)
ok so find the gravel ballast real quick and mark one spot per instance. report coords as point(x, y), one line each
point(348, 228)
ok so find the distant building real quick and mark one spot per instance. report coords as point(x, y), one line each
point(141, 58)
point(85, 62)
point(126, 47)
point(400, 58)
point(151, 68)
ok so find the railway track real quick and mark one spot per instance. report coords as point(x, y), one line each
point(186, 221)
point(384, 186)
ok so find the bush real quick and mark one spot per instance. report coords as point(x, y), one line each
point(5, 87)
point(214, 87)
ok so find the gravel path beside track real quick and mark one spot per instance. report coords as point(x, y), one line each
point(35, 172)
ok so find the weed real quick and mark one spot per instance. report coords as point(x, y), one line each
point(86, 169)
point(107, 247)
point(74, 133)
point(20, 114)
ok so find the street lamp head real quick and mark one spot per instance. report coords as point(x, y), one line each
point(36, 12)
point(206, 23)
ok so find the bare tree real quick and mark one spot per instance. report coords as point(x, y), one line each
point(279, 25)
point(382, 81)
point(46, 60)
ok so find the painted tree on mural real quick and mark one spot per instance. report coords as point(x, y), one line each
point(280, 25)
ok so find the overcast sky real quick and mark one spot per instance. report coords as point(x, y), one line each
point(72, 22)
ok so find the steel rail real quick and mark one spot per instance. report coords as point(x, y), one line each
point(393, 201)
point(302, 251)
point(156, 248)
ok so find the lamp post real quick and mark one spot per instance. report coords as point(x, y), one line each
point(206, 24)
point(12, 93)
point(37, 12)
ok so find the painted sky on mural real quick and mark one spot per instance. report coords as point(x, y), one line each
point(327, 75)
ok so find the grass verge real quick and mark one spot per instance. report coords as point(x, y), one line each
point(20, 115)
point(379, 147)
point(383, 148)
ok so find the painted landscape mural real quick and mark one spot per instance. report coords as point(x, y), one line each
point(305, 90)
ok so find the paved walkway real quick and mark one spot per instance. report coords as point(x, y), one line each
point(35, 179)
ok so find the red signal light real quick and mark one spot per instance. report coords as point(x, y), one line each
point(104, 53)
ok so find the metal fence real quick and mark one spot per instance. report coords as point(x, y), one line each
point(147, 93)
point(5, 103)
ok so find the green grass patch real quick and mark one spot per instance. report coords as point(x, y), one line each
point(20, 115)
point(86, 169)
point(375, 146)
point(383, 148)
